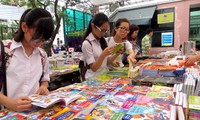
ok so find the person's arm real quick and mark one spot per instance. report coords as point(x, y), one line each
point(108, 51)
point(113, 57)
point(89, 55)
point(131, 56)
point(192, 59)
point(18, 104)
point(43, 90)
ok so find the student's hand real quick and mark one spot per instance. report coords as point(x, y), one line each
point(132, 60)
point(120, 51)
point(20, 104)
point(108, 51)
point(115, 64)
point(42, 90)
point(191, 60)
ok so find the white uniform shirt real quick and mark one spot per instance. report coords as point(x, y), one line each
point(127, 45)
point(91, 53)
point(23, 72)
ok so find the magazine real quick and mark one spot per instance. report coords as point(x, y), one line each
point(51, 99)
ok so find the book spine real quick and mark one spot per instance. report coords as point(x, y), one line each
point(172, 112)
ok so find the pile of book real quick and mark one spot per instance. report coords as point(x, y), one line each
point(113, 99)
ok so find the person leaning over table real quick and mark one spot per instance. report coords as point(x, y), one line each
point(120, 31)
point(132, 38)
point(146, 43)
point(192, 59)
point(97, 54)
point(25, 73)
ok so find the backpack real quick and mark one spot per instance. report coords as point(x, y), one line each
point(83, 66)
point(5, 58)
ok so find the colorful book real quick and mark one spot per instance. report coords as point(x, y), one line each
point(160, 94)
point(51, 99)
point(162, 88)
point(65, 114)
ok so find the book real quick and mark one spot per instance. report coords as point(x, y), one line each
point(181, 115)
point(160, 94)
point(17, 116)
point(4, 114)
point(143, 112)
point(173, 112)
point(117, 48)
point(44, 114)
point(65, 114)
point(102, 112)
point(194, 102)
point(162, 88)
point(194, 115)
point(51, 99)
point(118, 116)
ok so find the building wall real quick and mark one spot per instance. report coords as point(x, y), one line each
point(181, 23)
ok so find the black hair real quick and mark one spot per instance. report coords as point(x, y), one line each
point(98, 20)
point(118, 23)
point(132, 28)
point(149, 30)
point(39, 19)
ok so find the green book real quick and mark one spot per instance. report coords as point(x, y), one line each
point(117, 47)
point(194, 102)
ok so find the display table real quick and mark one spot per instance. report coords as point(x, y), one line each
point(63, 78)
point(109, 96)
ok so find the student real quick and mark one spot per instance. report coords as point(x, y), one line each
point(96, 53)
point(121, 29)
point(26, 74)
point(192, 59)
point(132, 38)
point(146, 43)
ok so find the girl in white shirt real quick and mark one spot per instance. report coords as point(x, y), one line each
point(121, 29)
point(94, 47)
point(132, 38)
point(26, 74)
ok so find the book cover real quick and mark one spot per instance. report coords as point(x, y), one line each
point(194, 102)
point(102, 113)
point(118, 116)
point(181, 115)
point(44, 113)
point(160, 94)
point(4, 114)
point(117, 47)
point(65, 114)
point(144, 112)
point(157, 88)
point(17, 116)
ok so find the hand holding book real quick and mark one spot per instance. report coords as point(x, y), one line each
point(117, 48)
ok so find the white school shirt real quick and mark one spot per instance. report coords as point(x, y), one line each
point(91, 53)
point(111, 42)
point(24, 73)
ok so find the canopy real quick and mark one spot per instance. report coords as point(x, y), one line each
point(138, 16)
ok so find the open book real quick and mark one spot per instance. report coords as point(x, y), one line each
point(51, 99)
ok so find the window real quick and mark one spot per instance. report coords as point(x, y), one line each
point(163, 26)
point(194, 33)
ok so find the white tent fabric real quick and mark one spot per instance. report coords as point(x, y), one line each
point(11, 12)
point(100, 2)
